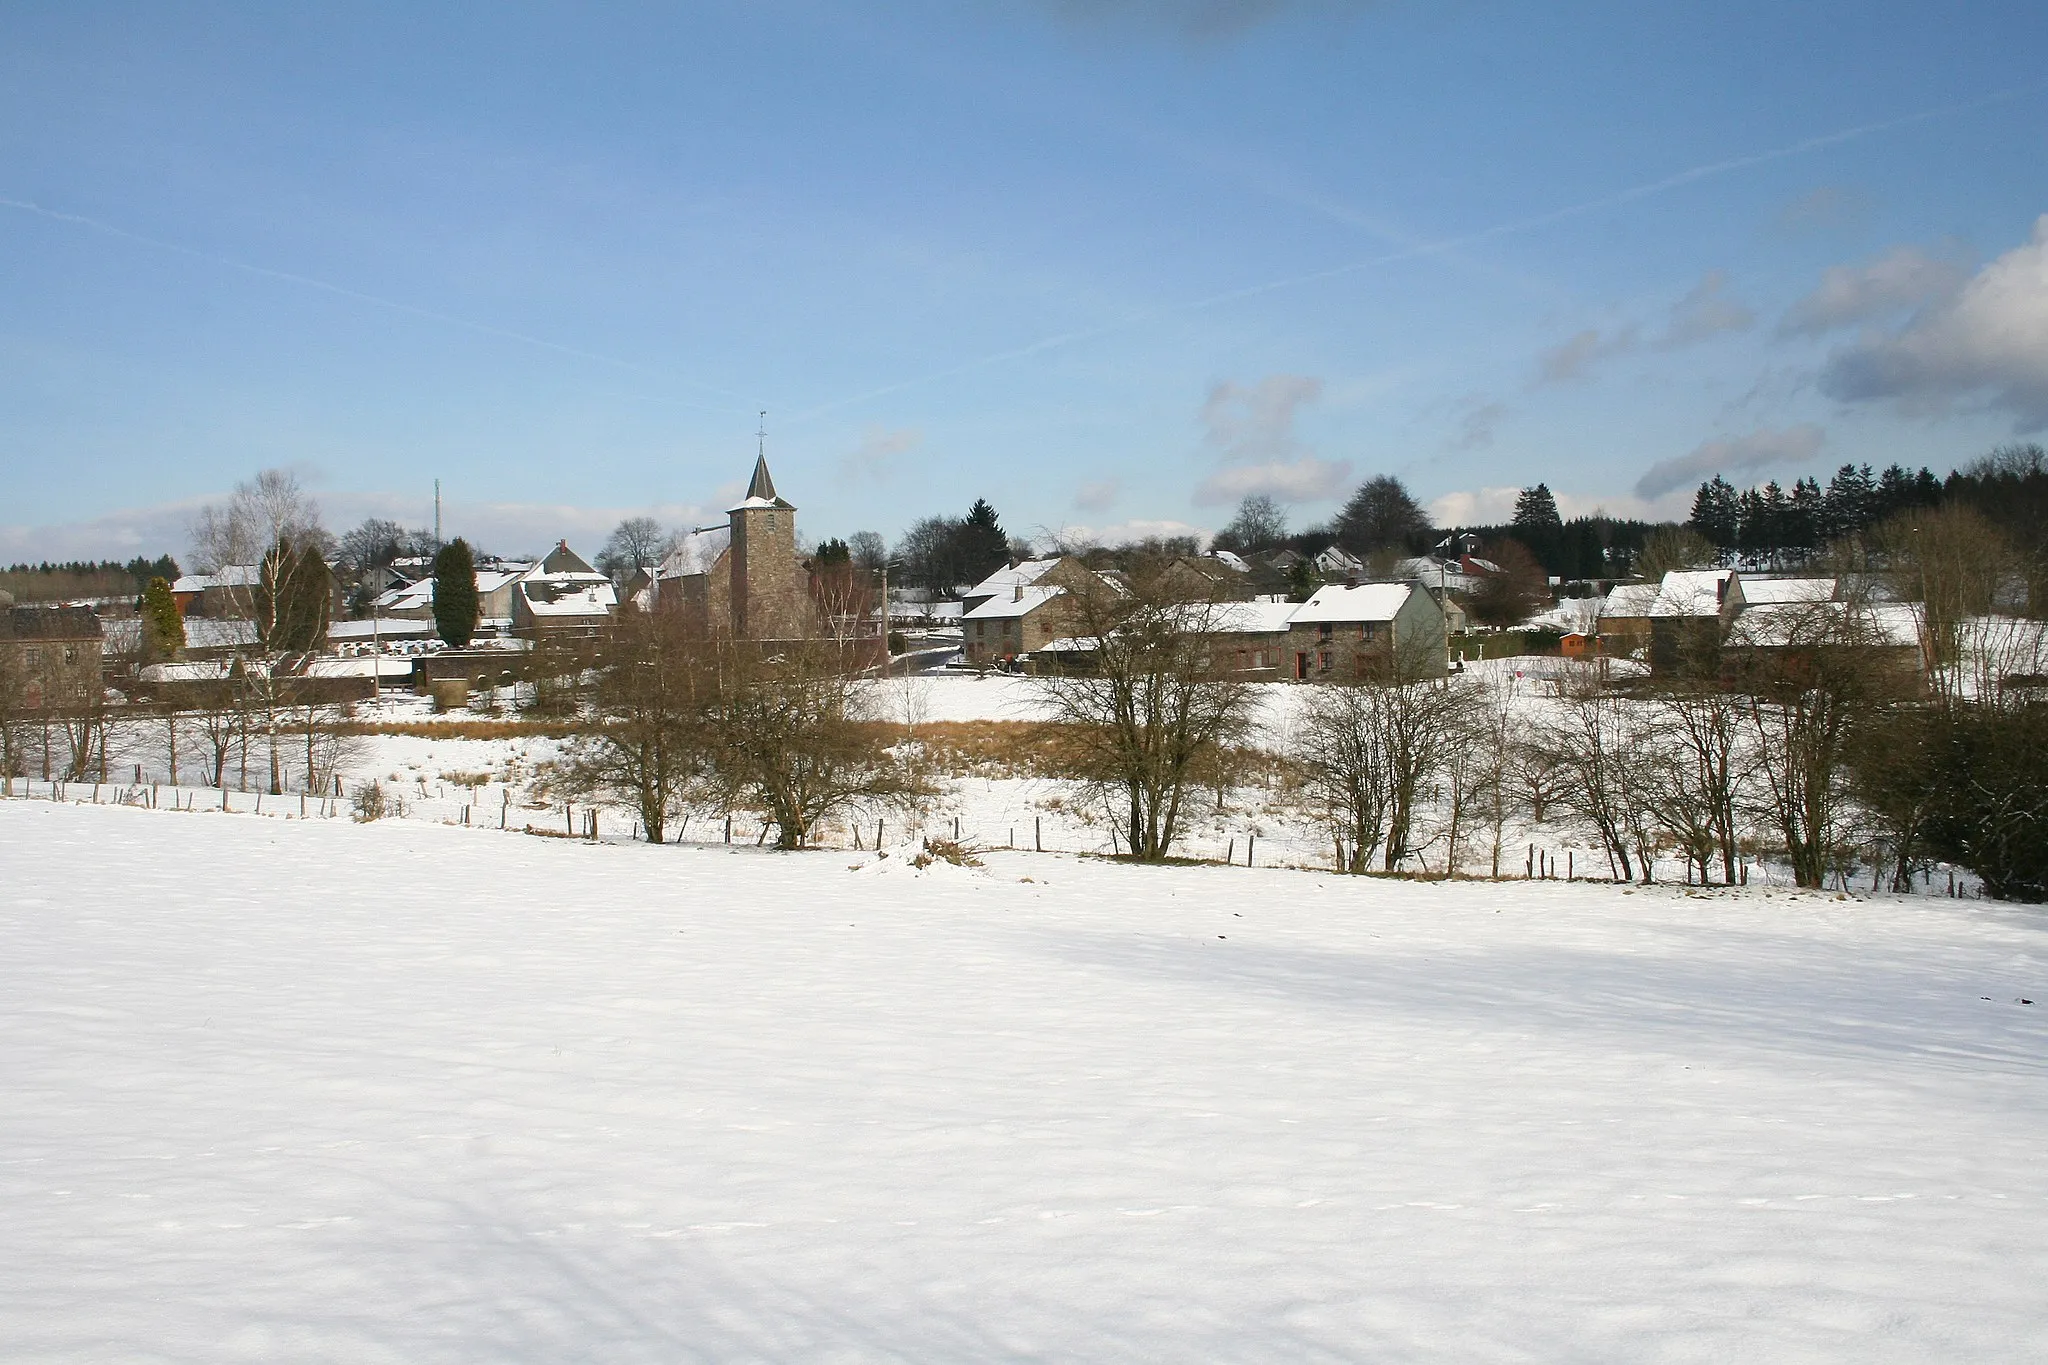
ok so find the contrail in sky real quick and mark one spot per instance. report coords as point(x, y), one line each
point(1645, 190)
point(376, 300)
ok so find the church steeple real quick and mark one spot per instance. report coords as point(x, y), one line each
point(761, 488)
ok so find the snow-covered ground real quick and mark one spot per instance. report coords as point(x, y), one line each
point(317, 1091)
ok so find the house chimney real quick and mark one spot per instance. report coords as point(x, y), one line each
point(1017, 593)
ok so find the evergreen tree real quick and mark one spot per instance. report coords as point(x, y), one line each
point(456, 609)
point(163, 625)
point(1803, 515)
point(1301, 580)
point(1851, 502)
point(1536, 509)
point(292, 598)
point(1716, 513)
point(983, 545)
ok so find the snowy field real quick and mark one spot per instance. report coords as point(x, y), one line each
point(315, 1091)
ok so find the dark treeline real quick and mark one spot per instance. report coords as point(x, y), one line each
point(1769, 524)
point(50, 581)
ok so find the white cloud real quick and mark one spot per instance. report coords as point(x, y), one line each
point(1245, 424)
point(1904, 277)
point(878, 448)
point(1307, 479)
point(1988, 342)
point(1118, 534)
point(1097, 495)
point(1249, 428)
point(1706, 311)
point(1477, 419)
point(1496, 506)
point(1474, 507)
point(1760, 449)
point(1573, 358)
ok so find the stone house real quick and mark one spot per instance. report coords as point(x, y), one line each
point(1252, 640)
point(1030, 617)
point(49, 657)
point(1373, 630)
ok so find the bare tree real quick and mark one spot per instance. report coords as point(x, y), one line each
point(1259, 525)
point(1148, 705)
point(635, 543)
point(1700, 772)
point(796, 737)
point(1373, 751)
point(870, 552)
point(1819, 683)
point(649, 737)
point(268, 542)
point(1592, 741)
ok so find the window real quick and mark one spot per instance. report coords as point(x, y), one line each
point(1367, 631)
point(1323, 631)
point(981, 628)
point(1323, 661)
point(32, 658)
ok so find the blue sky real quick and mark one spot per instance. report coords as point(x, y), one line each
point(1110, 265)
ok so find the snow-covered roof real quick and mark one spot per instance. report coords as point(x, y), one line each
point(1776, 625)
point(1250, 618)
point(1230, 561)
point(1017, 601)
point(1013, 576)
point(383, 627)
point(201, 632)
point(1366, 602)
point(226, 576)
point(1691, 593)
point(567, 595)
point(1630, 601)
point(1758, 592)
point(365, 667)
point(204, 672)
point(695, 553)
point(1337, 559)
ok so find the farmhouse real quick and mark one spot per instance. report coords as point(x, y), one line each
point(49, 657)
point(1374, 630)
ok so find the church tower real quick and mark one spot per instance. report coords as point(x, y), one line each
point(767, 584)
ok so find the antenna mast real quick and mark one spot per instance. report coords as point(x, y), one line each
point(437, 514)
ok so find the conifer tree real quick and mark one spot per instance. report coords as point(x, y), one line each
point(163, 625)
point(1536, 509)
point(984, 547)
point(1716, 512)
point(456, 609)
point(292, 598)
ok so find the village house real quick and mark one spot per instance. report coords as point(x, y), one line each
point(1052, 572)
point(1250, 640)
point(49, 657)
point(230, 592)
point(1371, 631)
point(1031, 616)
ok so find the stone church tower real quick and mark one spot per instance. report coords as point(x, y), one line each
point(768, 595)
